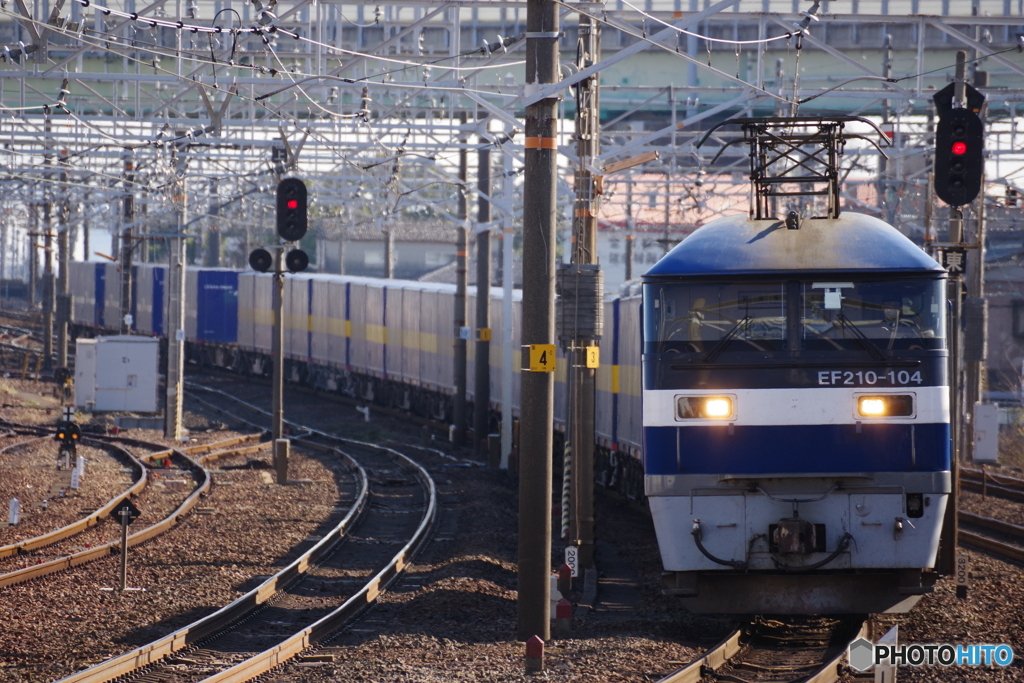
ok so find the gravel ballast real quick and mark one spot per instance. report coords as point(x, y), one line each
point(452, 618)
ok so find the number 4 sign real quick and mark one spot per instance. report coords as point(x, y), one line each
point(542, 357)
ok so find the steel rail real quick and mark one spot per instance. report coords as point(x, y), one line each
point(993, 489)
point(716, 657)
point(992, 545)
point(195, 632)
point(80, 525)
point(105, 511)
point(297, 643)
point(1011, 551)
point(142, 536)
point(727, 650)
point(302, 640)
point(974, 474)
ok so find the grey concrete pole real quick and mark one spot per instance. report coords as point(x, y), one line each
point(459, 408)
point(63, 258)
point(49, 283)
point(33, 254)
point(127, 242)
point(176, 328)
point(213, 229)
point(277, 346)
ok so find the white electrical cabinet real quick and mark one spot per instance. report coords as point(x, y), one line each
point(986, 432)
point(117, 373)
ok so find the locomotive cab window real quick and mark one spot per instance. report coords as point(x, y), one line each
point(719, 319)
point(735, 322)
point(901, 315)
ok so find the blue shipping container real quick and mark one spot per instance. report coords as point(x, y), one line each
point(217, 306)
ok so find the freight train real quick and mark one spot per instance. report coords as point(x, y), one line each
point(382, 341)
point(777, 388)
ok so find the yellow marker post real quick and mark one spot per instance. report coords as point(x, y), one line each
point(593, 356)
point(542, 357)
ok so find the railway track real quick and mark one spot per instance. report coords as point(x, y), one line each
point(1001, 538)
point(788, 649)
point(49, 552)
point(985, 482)
point(314, 596)
point(994, 535)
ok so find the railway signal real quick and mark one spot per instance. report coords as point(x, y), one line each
point(68, 433)
point(959, 160)
point(292, 220)
point(126, 512)
point(959, 147)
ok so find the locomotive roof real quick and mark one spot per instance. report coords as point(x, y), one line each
point(736, 245)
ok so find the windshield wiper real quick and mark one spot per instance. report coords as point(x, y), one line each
point(871, 347)
point(724, 341)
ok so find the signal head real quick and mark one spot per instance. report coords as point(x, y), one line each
point(959, 156)
point(292, 208)
point(261, 260)
point(296, 261)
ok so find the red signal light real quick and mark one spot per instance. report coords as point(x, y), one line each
point(959, 148)
point(294, 203)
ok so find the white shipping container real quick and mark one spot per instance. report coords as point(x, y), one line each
point(117, 373)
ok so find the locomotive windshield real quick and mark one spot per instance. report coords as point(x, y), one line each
point(734, 320)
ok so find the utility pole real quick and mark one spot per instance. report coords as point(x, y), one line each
point(277, 346)
point(482, 366)
point(389, 253)
point(507, 282)
point(213, 228)
point(884, 182)
point(630, 226)
point(538, 338)
point(63, 286)
point(85, 228)
point(49, 284)
point(48, 280)
point(33, 252)
point(975, 311)
point(581, 289)
point(461, 330)
point(176, 305)
point(127, 243)
point(3, 252)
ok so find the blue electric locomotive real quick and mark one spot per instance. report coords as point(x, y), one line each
point(796, 415)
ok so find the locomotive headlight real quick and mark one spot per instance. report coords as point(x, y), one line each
point(889, 405)
point(871, 406)
point(718, 407)
point(704, 407)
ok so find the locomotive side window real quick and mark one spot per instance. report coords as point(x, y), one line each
point(715, 318)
